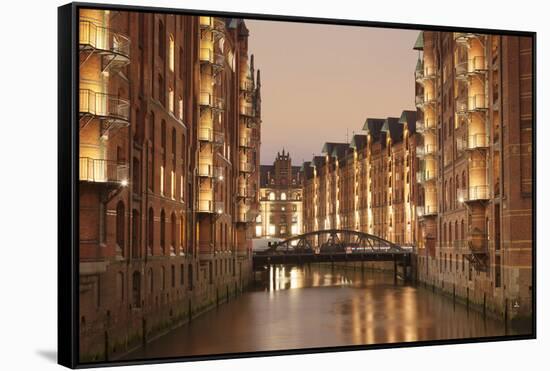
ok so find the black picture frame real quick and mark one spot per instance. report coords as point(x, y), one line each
point(68, 204)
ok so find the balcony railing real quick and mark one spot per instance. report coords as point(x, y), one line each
point(247, 111)
point(104, 106)
point(246, 192)
point(102, 171)
point(208, 170)
point(430, 72)
point(477, 64)
point(206, 55)
point(247, 85)
point(218, 103)
point(423, 176)
point(246, 167)
point(211, 136)
point(219, 173)
point(426, 125)
point(477, 141)
point(206, 22)
point(419, 74)
point(477, 193)
point(219, 59)
point(426, 210)
point(419, 100)
point(205, 206)
point(477, 102)
point(461, 69)
point(205, 99)
point(425, 150)
point(102, 39)
point(247, 142)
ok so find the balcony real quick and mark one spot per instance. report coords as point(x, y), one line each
point(419, 73)
point(430, 72)
point(247, 110)
point(247, 142)
point(114, 110)
point(425, 126)
point(209, 206)
point(425, 150)
point(423, 176)
point(461, 70)
point(477, 141)
point(477, 102)
point(206, 22)
point(246, 216)
point(425, 211)
point(102, 171)
point(477, 65)
point(246, 167)
point(246, 192)
point(206, 55)
point(247, 85)
point(419, 100)
point(210, 135)
point(114, 47)
point(474, 193)
point(208, 170)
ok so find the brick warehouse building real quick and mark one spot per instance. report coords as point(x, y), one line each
point(169, 139)
point(280, 199)
point(474, 100)
point(453, 178)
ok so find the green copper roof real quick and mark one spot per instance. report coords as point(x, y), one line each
point(419, 44)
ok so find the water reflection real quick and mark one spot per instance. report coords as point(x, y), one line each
point(317, 306)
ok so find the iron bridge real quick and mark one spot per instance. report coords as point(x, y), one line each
point(334, 245)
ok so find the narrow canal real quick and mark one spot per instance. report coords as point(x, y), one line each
point(319, 306)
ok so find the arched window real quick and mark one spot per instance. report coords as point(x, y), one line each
point(182, 232)
point(161, 40)
point(150, 230)
point(151, 282)
point(120, 286)
point(120, 226)
point(135, 233)
point(283, 196)
point(162, 90)
point(171, 51)
point(163, 278)
point(190, 276)
point(271, 196)
point(174, 143)
point(163, 232)
point(456, 230)
point(173, 275)
point(444, 239)
point(136, 179)
point(136, 289)
point(173, 242)
point(462, 229)
point(163, 135)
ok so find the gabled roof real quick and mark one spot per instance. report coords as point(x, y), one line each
point(409, 118)
point(339, 151)
point(358, 141)
point(307, 169)
point(394, 128)
point(318, 161)
point(373, 127)
point(419, 44)
point(329, 147)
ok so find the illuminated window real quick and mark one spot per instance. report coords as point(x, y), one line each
point(294, 229)
point(258, 230)
point(181, 187)
point(180, 108)
point(283, 196)
point(162, 180)
point(171, 99)
point(271, 230)
point(171, 52)
point(271, 196)
point(173, 185)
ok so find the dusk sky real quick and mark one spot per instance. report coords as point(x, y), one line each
point(320, 80)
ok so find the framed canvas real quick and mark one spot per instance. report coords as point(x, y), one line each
point(241, 185)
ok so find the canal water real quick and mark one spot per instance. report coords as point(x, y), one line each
point(319, 306)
